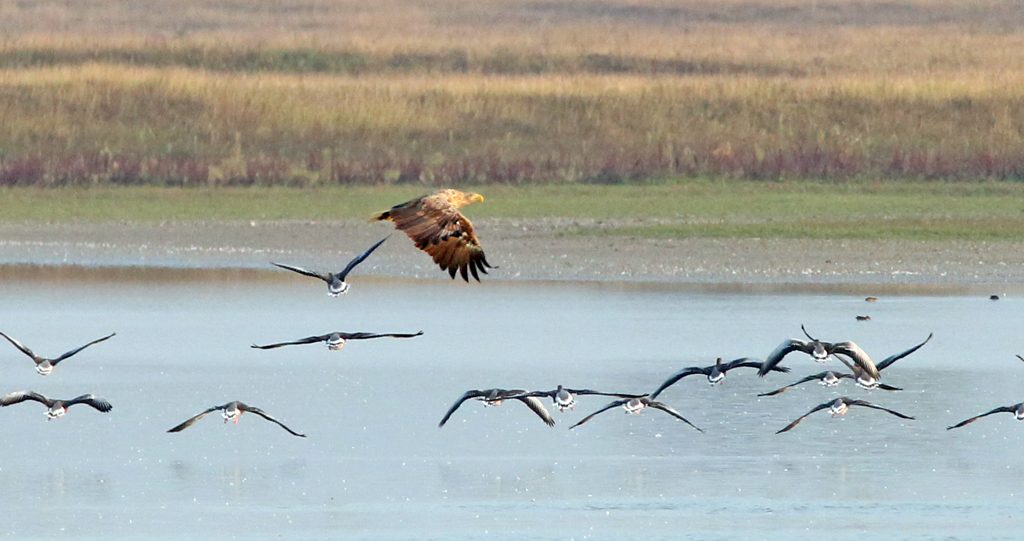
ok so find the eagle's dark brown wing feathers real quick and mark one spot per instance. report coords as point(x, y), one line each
point(436, 226)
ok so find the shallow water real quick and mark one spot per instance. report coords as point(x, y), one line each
point(375, 465)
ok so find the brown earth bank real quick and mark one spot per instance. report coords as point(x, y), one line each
point(550, 249)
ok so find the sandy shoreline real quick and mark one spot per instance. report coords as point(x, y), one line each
point(531, 250)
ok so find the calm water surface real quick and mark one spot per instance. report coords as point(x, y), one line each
point(375, 465)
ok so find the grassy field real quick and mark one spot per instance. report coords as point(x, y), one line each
point(318, 93)
point(940, 211)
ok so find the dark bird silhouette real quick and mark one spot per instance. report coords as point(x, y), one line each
point(827, 378)
point(232, 411)
point(46, 365)
point(56, 408)
point(565, 399)
point(494, 397)
point(840, 406)
point(1017, 410)
point(817, 349)
point(336, 340)
point(864, 377)
point(336, 284)
point(715, 373)
point(635, 406)
point(860, 376)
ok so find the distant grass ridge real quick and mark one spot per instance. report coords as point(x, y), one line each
point(299, 93)
point(703, 208)
point(246, 59)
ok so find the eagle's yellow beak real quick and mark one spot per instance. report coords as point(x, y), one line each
point(476, 198)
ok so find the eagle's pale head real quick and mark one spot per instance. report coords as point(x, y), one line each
point(460, 199)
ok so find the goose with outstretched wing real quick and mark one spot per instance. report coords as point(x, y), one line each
point(1017, 410)
point(839, 407)
point(55, 408)
point(45, 365)
point(819, 350)
point(232, 411)
point(495, 397)
point(635, 406)
point(827, 378)
point(715, 373)
point(336, 284)
point(565, 399)
point(336, 340)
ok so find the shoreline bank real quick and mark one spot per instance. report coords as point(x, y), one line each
point(535, 250)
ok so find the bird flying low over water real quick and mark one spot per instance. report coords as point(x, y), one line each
point(436, 226)
point(858, 374)
point(817, 349)
point(828, 379)
point(336, 340)
point(860, 359)
point(55, 408)
point(565, 399)
point(840, 406)
point(635, 406)
point(715, 373)
point(336, 284)
point(232, 411)
point(1017, 410)
point(44, 365)
point(494, 397)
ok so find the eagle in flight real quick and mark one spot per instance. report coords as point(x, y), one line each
point(436, 226)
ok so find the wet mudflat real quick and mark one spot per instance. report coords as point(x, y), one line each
point(375, 465)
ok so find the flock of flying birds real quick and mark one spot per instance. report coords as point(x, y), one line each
point(435, 225)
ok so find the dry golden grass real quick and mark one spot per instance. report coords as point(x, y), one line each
point(315, 92)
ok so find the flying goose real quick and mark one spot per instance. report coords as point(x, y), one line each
point(336, 340)
point(715, 373)
point(231, 412)
point(865, 378)
point(827, 378)
point(565, 399)
point(336, 284)
point(839, 406)
point(44, 365)
point(1017, 410)
point(494, 397)
point(817, 349)
point(635, 406)
point(55, 408)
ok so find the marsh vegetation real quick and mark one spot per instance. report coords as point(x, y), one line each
point(308, 93)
